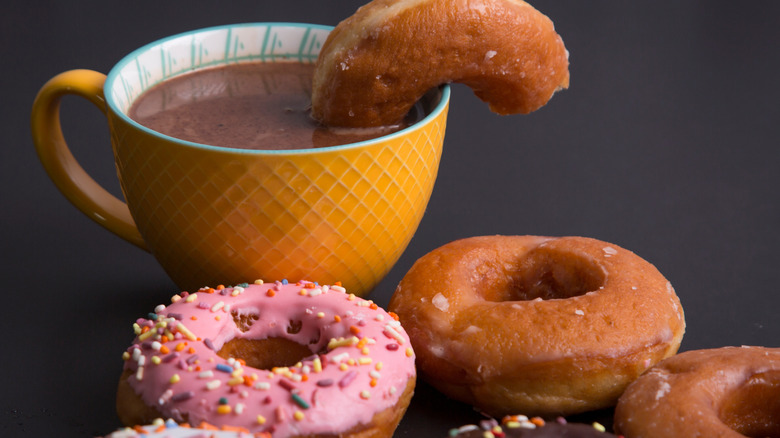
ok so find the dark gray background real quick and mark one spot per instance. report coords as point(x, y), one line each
point(665, 144)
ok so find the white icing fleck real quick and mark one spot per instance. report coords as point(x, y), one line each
point(440, 302)
point(665, 388)
point(437, 350)
point(579, 312)
point(490, 54)
point(471, 329)
point(609, 251)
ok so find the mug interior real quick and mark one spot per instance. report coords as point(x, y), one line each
point(221, 45)
point(172, 56)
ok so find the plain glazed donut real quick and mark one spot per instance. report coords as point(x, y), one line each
point(294, 360)
point(540, 325)
point(726, 392)
point(377, 63)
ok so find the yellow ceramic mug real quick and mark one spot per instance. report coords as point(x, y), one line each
point(215, 215)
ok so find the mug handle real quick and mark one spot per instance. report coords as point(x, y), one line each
point(58, 161)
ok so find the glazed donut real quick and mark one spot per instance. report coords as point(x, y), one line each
point(726, 392)
point(541, 325)
point(377, 63)
point(291, 359)
point(520, 426)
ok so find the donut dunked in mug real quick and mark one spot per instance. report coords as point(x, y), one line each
point(377, 63)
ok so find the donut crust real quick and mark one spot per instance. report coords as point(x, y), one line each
point(539, 325)
point(377, 63)
point(727, 392)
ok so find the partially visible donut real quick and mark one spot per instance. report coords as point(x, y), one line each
point(377, 63)
point(520, 426)
point(540, 325)
point(294, 360)
point(171, 429)
point(727, 392)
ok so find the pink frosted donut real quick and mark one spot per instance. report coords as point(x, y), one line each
point(290, 359)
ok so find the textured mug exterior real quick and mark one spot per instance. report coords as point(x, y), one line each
point(214, 215)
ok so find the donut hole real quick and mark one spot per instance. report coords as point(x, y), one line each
point(265, 354)
point(753, 409)
point(547, 275)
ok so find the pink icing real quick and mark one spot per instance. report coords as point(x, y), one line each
point(366, 364)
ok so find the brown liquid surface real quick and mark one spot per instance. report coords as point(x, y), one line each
point(247, 106)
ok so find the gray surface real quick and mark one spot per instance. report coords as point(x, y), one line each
point(665, 144)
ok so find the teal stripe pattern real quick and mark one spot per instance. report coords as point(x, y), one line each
point(303, 44)
point(227, 44)
point(161, 60)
